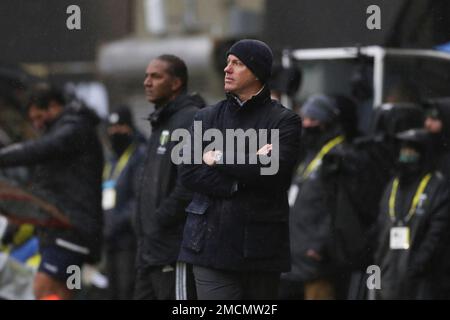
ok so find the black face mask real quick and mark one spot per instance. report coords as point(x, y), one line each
point(408, 171)
point(311, 136)
point(119, 142)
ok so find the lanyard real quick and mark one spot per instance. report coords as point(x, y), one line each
point(124, 158)
point(423, 184)
point(318, 158)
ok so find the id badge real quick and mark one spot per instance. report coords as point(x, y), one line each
point(400, 238)
point(108, 195)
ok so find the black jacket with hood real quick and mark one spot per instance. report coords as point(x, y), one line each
point(68, 162)
point(415, 273)
point(119, 221)
point(311, 216)
point(162, 199)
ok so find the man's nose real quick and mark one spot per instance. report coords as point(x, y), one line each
point(228, 68)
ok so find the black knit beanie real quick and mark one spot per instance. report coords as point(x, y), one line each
point(122, 115)
point(256, 55)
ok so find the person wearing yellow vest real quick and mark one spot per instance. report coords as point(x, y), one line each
point(413, 224)
point(311, 275)
point(120, 178)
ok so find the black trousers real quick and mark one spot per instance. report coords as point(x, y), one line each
point(213, 284)
point(170, 282)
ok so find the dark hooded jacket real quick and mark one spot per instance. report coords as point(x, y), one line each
point(441, 145)
point(415, 273)
point(162, 199)
point(311, 217)
point(68, 162)
point(119, 221)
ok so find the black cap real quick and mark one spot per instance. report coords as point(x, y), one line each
point(392, 118)
point(122, 115)
point(256, 55)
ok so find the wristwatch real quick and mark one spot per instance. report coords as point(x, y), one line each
point(217, 156)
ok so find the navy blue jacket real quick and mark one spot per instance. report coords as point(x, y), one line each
point(238, 219)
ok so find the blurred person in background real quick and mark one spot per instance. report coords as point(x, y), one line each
point(355, 174)
point(437, 122)
point(68, 162)
point(313, 272)
point(160, 215)
point(120, 182)
point(413, 223)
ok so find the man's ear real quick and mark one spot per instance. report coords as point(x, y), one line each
point(176, 84)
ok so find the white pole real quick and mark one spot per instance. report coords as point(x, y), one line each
point(155, 17)
point(286, 63)
point(378, 75)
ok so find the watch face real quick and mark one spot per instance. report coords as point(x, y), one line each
point(218, 156)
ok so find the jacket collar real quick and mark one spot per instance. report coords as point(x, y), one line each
point(164, 112)
point(258, 99)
